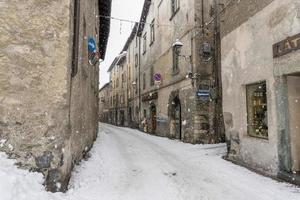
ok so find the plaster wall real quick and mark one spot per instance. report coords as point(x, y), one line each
point(247, 58)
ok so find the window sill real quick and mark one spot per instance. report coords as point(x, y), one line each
point(173, 14)
point(258, 137)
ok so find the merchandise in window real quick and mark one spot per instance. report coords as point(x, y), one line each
point(257, 109)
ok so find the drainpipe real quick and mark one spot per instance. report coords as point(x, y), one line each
point(218, 109)
point(139, 74)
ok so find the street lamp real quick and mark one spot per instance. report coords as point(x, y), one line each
point(188, 58)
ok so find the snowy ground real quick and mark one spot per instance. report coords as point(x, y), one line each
point(129, 165)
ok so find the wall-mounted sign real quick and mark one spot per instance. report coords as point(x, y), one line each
point(91, 45)
point(203, 95)
point(286, 46)
point(157, 79)
point(161, 119)
point(92, 51)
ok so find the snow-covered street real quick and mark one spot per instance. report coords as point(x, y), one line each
point(126, 164)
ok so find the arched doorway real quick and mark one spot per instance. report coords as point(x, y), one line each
point(177, 117)
point(153, 115)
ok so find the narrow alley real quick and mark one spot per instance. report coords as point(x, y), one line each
point(130, 165)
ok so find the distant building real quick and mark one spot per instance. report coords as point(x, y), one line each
point(49, 60)
point(170, 82)
point(261, 84)
point(118, 92)
point(104, 98)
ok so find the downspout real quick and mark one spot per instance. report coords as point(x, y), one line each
point(139, 85)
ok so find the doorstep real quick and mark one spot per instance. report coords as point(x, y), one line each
point(290, 177)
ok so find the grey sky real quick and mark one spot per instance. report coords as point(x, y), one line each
point(120, 31)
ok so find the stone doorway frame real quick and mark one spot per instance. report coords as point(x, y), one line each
point(175, 101)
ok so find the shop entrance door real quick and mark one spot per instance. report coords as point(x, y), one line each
point(293, 83)
point(122, 118)
point(153, 119)
point(177, 107)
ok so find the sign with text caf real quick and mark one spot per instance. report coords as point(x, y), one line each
point(286, 46)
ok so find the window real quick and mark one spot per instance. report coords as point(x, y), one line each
point(136, 41)
point(176, 53)
point(136, 60)
point(144, 81)
point(117, 82)
point(136, 83)
point(152, 32)
point(151, 76)
point(122, 80)
point(145, 113)
point(144, 43)
point(129, 73)
point(175, 4)
point(257, 110)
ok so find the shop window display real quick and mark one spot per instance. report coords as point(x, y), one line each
point(257, 110)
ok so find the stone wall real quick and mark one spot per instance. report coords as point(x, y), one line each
point(43, 112)
point(34, 62)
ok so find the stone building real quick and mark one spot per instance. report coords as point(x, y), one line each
point(118, 92)
point(170, 63)
point(261, 84)
point(49, 82)
point(104, 98)
point(175, 67)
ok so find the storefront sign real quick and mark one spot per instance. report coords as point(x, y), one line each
point(286, 46)
point(150, 96)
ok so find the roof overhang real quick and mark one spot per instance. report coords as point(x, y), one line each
point(104, 12)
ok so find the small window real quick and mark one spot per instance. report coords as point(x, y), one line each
point(257, 109)
point(175, 4)
point(136, 88)
point(151, 76)
point(145, 113)
point(136, 60)
point(144, 81)
point(176, 53)
point(144, 43)
point(152, 32)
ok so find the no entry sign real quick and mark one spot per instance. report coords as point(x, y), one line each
point(157, 77)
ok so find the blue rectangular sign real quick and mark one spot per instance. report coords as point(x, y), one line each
point(203, 94)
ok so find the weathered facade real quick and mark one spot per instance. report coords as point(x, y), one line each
point(118, 92)
point(261, 94)
point(168, 68)
point(104, 98)
point(49, 82)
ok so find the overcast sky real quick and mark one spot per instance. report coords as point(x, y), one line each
point(119, 31)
